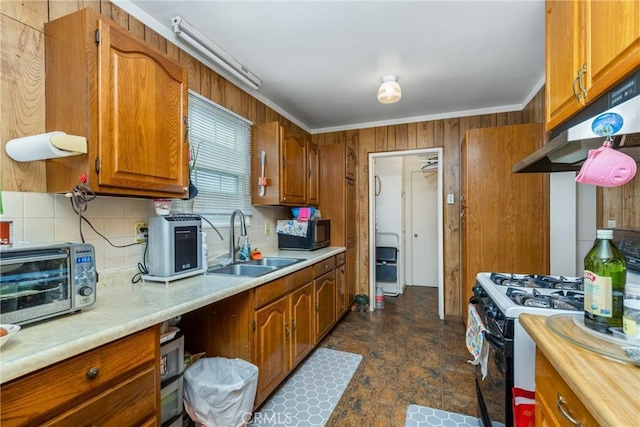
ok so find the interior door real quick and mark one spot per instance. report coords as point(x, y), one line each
point(424, 226)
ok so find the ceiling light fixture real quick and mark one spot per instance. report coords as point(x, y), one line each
point(389, 91)
point(218, 56)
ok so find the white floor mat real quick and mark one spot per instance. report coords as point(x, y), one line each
point(309, 396)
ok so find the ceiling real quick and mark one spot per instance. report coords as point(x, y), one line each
point(321, 62)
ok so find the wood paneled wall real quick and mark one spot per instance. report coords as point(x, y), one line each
point(22, 113)
point(621, 203)
point(446, 133)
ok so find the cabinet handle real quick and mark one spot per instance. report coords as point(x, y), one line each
point(575, 92)
point(581, 74)
point(186, 128)
point(286, 331)
point(561, 404)
point(92, 373)
point(293, 326)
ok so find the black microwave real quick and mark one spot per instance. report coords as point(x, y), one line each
point(318, 236)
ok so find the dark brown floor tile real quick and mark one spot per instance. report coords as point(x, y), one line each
point(410, 356)
point(364, 412)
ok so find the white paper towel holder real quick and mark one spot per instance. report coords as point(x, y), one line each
point(43, 146)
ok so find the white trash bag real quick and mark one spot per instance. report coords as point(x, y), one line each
point(219, 392)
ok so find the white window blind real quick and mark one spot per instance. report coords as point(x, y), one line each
point(220, 141)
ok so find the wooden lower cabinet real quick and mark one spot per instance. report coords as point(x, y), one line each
point(556, 404)
point(116, 384)
point(324, 289)
point(302, 331)
point(283, 329)
point(341, 287)
point(272, 355)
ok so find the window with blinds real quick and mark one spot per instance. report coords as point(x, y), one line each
point(220, 143)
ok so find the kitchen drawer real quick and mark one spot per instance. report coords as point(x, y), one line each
point(323, 267)
point(273, 290)
point(171, 400)
point(129, 403)
point(340, 258)
point(550, 388)
point(172, 358)
point(67, 383)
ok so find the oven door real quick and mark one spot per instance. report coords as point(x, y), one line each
point(494, 392)
point(34, 285)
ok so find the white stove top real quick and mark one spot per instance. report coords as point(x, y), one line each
point(498, 293)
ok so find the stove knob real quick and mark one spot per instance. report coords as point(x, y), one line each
point(85, 291)
point(492, 312)
point(479, 291)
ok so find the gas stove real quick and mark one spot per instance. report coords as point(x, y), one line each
point(513, 294)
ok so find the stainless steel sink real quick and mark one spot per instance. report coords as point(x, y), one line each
point(245, 270)
point(275, 261)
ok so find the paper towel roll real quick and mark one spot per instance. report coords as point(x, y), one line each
point(46, 146)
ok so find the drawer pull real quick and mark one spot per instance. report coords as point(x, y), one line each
point(561, 408)
point(92, 373)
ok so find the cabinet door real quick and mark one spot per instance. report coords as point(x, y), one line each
point(491, 190)
point(351, 163)
point(613, 40)
point(350, 207)
point(313, 178)
point(271, 355)
point(350, 272)
point(293, 176)
point(142, 108)
point(341, 292)
point(325, 300)
point(564, 59)
point(302, 333)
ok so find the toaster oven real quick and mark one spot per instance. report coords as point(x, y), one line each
point(38, 283)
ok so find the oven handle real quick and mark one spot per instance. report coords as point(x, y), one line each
point(31, 258)
point(495, 340)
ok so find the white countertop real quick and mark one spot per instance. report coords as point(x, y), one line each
point(123, 308)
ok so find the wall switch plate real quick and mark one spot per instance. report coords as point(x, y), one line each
point(141, 232)
point(611, 223)
point(267, 228)
point(450, 199)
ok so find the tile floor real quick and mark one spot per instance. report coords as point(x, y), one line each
point(409, 357)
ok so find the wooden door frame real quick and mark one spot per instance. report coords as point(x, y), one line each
point(372, 214)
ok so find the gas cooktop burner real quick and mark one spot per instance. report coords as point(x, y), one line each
point(538, 281)
point(560, 300)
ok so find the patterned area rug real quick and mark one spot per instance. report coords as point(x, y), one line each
point(422, 416)
point(309, 396)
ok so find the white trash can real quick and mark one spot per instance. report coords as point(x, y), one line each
point(219, 392)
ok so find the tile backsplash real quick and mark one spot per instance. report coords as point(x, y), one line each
point(48, 218)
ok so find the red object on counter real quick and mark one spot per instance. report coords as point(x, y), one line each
point(256, 254)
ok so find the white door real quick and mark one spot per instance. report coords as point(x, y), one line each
point(424, 226)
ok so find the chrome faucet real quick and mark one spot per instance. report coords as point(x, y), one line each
point(232, 238)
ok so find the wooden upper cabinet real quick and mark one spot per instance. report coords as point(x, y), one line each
point(590, 46)
point(613, 35)
point(293, 172)
point(313, 174)
point(563, 62)
point(129, 100)
point(291, 167)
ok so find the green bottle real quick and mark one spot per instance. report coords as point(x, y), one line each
point(605, 274)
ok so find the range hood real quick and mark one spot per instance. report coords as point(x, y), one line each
point(569, 145)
